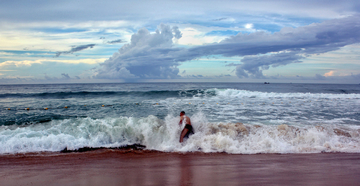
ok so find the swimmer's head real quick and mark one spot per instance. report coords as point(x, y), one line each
point(182, 113)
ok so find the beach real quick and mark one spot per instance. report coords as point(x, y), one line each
point(145, 167)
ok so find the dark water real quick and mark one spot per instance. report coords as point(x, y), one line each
point(138, 100)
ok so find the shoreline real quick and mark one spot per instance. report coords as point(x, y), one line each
point(147, 167)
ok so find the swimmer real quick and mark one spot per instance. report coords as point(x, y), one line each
point(187, 129)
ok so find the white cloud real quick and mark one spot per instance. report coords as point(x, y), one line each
point(18, 40)
point(249, 26)
point(148, 56)
point(67, 24)
point(41, 61)
point(6, 53)
point(19, 63)
point(192, 36)
point(331, 73)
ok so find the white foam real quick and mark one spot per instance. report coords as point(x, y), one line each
point(257, 94)
point(164, 135)
point(231, 105)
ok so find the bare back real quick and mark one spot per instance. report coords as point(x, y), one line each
point(187, 120)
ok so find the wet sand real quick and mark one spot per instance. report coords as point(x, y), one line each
point(141, 167)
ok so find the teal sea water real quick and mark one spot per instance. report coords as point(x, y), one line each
point(276, 118)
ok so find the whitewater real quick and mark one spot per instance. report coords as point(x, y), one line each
point(232, 118)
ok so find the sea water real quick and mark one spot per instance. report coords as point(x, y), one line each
point(241, 118)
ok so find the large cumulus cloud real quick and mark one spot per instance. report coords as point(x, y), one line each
point(148, 55)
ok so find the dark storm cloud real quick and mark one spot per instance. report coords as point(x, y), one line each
point(115, 41)
point(75, 49)
point(65, 76)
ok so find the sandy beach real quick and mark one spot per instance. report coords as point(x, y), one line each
point(142, 167)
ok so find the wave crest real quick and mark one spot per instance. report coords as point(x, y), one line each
point(163, 135)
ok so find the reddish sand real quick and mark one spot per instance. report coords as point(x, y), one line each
point(106, 167)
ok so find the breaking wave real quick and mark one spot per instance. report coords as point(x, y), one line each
point(163, 135)
point(100, 94)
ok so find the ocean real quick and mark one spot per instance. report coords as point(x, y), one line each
point(236, 118)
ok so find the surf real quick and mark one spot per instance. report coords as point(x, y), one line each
point(163, 135)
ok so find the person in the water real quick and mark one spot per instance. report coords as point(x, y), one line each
point(188, 129)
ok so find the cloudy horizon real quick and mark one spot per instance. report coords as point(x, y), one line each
point(188, 41)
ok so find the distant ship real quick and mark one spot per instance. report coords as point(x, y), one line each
point(266, 82)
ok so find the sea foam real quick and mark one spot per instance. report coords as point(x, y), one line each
point(163, 135)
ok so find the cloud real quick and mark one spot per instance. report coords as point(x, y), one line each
point(319, 77)
point(222, 75)
point(348, 79)
point(252, 66)
point(249, 26)
point(2, 53)
point(195, 76)
point(65, 76)
point(262, 50)
point(75, 49)
point(115, 41)
point(42, 61)
point(148, 56)
point(115, 73)
point(331, 73)
point(177, 33)
point(19, 63)
point(46, 10)
point(232, 64)
point(153, 55)
point(219, 19)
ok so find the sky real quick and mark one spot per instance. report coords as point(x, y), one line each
point(92, 41)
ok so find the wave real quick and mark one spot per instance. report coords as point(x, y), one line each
point(177, 93)
point(228, 105)
point(233, 93)
point(62, 95)
point(163, 135)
